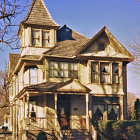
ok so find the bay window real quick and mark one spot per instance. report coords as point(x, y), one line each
point(30, 75)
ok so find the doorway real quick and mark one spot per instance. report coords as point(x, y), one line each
point(63, 111)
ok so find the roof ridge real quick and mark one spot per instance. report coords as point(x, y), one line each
point(80, 34)
point(48, 12)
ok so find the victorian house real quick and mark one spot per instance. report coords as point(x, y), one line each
point(62, 80)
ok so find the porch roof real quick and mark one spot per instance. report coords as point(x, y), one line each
point(69, 87)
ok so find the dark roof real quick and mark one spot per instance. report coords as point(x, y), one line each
point(69, 42)
point(13, 60)
point(51, 87)
point(38, 14)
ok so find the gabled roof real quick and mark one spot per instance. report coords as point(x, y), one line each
point(117, 44)
point(70, 87)
point(38, 14)
point(13, 60)
point(69, 42)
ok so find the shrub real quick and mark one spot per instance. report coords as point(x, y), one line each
point(122, 130)
point(41, 136)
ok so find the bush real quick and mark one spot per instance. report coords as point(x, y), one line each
point(122, 130)
point(41, 136)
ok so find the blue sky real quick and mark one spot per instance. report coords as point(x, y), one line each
point(121, 17)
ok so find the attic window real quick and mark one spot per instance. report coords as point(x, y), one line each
point(36, 37)
point(101, 46)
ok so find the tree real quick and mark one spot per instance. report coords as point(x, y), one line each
point(3, 87)
point(136, 111)
point(9, 10)
point(135, 50)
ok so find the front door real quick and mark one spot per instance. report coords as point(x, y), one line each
point(63, 111)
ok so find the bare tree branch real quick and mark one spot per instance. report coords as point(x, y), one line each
point(9, 10)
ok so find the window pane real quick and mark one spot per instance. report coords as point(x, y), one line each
point(98, 111)
point(115, 68)
point(105, 67)
point(45, 38)
point(75, 66)
point(55, 74)
point(95, 67)
point(45, 42)
point(113, 112)
point(33, 75)
point(35, 37)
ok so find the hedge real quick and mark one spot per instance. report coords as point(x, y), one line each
point(119, 130)
point(41, 136)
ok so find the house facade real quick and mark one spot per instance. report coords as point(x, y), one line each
point(62, 80)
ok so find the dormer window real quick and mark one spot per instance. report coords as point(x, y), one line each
point(36, 37)
point(40, 38)
point(45, 38)
point(101, 46)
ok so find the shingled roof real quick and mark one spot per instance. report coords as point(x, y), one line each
point(38, 14)
point(69, 42)
point(13, 60)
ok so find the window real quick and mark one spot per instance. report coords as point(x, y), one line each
point(98, 111)
point(115, 73)
point(30, 75)
point(63, 70)
point(104, 70)
point(32, 108)
point(104, 73)
point(73, 70)
point(40, 37)
point(45, 38)
point(95, 72)
point(113, 112)
point(101, 46)
point(36, 37)
point(33, 75)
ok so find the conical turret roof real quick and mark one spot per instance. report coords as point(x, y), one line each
point(38, 14)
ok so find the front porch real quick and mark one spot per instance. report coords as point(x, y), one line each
point(54, 111)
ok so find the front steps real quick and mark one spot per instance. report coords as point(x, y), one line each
point(76, 135)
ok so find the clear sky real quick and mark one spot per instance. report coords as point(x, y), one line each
point(121, 17)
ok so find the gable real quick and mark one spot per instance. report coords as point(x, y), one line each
point(73, 86)
point(112, 48)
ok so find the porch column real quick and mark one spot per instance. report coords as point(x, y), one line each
point(87, 117)
point(23, 105)
point(27, 105)
point(55, 103)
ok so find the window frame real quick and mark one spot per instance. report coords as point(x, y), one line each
point(36, 38)
point(102, 113)
point(99, 73)
point(115, 74)
point(59, 70)
point(118, 117)
point(48, 39)
point(41, 38)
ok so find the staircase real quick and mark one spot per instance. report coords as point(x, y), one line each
point(32, 134)
point(76, 135)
